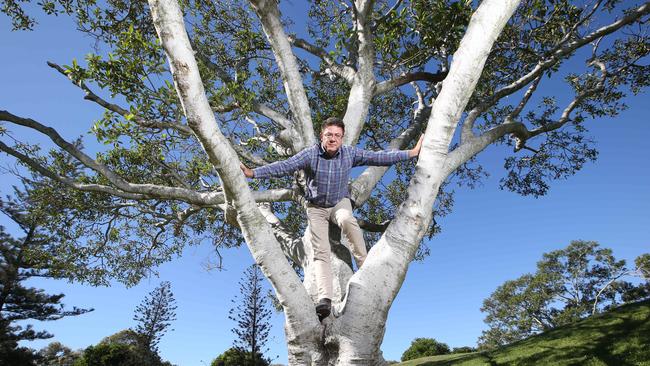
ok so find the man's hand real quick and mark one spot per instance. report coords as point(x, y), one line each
point(248, 172)
point(416, 150)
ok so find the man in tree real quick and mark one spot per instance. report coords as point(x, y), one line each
point(171, 174)
point(327, 166)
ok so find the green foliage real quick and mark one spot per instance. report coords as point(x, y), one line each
point(124, 348)
point(154, 316)
point(617, 337)
point(57, 354)
point(569, 284)
point(423, 347)
point(145, 138)
point(236, 357)
point(110, 354)
point(463, 349)
point(20, 260)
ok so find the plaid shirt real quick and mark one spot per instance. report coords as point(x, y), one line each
point(327, 177)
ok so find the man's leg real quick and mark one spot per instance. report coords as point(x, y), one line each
point(318, 226)
point(343, 217)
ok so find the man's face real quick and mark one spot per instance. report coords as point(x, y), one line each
point(332, 138)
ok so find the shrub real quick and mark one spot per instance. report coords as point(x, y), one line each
point(424, 347)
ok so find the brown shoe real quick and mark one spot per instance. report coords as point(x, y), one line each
point(323, 308)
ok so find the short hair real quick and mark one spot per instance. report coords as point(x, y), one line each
point(333, 121)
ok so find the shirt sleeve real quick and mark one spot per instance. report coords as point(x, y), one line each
point(284, 167)
point(379, 158)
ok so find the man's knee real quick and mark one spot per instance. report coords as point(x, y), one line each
point(345, 220)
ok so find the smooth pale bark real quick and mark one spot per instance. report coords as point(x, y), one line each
point(363, 84)
point(373, 288)
point(302, 324)
point(354, 333)
point(269, 15)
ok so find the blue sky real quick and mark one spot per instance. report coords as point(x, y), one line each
point(491, 235)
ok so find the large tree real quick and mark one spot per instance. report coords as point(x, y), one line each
point(201, 86)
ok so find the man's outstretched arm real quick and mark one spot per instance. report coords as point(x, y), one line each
point(386, 157)
point(279, 168)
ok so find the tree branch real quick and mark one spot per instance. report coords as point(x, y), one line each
point(122, 187)
point(292, 246)
point(472, 146)
point(168, 20)
point(388, 85)
point(33, 164)
point(345, 72)
point(552, 59)
point(361, 91)
point(387, 14)
point(269, 15)
point(91, 96)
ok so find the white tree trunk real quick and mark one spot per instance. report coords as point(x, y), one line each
point(355, 331)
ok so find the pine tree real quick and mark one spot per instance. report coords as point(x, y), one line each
point(21, 259)
point(154, 316)
point(252, 315)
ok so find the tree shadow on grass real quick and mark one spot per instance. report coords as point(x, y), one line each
point(617, 338)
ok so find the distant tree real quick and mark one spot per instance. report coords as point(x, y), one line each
point(154, 316)
point(424, 347)
point(124, 348)
point(110, 354)
point(252, 314)
point(20, 260)
point(236, 357)
point(57, 354)
point(569, 284)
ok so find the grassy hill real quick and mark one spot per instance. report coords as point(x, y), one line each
point(620, 337)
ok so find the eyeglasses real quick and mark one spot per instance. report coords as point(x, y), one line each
point(329, 135)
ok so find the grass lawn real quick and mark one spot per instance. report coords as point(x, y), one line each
point(618, 338)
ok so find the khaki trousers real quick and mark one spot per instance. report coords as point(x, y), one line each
point(319, 219)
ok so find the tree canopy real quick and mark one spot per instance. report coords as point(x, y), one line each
point(424, 347)
point(192, 89)
point(153, 190)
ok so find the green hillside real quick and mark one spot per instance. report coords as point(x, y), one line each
point(618, 338)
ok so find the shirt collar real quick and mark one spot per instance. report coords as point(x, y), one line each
point(323, 153)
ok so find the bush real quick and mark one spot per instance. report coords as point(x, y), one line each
point(237, 357)
point(424, 347)
point(124, 348)
point(112, 354)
